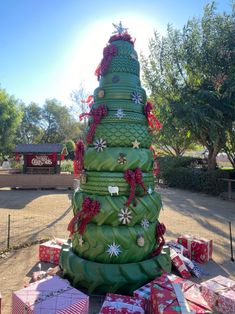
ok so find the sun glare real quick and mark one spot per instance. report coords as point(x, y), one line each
point(88, 48)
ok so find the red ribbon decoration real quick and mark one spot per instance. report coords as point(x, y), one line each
point(90, 208)
point(78, 162)
point(97, 114)
point(160, 230)
point(125, 37)
point(153, 122)
point(108, 53)
point(89, 101)
point(133, 178)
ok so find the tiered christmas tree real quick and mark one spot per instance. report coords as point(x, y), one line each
point(116, 236)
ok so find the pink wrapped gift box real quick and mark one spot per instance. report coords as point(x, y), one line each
point(50, 251)
point(199, 249)
point(49, 296)
point(178, 262)
point(116, 303)
point(188, 298)
point(220, 294)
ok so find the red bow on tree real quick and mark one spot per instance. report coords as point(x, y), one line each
point(133, 178)
point(79, 155)
point(90, 208)
point(89, 101)
point(153, 122)
point(108, 53)
point(97, 114)
point(160, 230)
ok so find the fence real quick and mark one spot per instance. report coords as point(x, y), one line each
point(18, 229)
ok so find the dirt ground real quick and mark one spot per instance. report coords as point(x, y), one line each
point(37, 214)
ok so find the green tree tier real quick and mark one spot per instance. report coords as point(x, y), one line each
point(113, 252)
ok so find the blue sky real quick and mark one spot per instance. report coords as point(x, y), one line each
point(48, 47)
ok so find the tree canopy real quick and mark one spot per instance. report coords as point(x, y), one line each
point(192, 73)
point(10, 117)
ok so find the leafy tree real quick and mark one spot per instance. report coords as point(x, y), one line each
point(173, 139)
point(10, 117)
point(58, 124)
point(192, 71)
point(30, 129)
point(70, 145)
point(229, 146)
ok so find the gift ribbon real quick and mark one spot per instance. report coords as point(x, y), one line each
point(46, 296)
point(123, 306)
point(184, 307)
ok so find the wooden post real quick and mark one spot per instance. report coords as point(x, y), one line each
point(231, 240)
point(8, 231)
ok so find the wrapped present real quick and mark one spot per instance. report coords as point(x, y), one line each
point(220, 294)
point(172, 295)
point(179, 248)
point(144, 292)
point(49, 296)
point(50, 251)
point(179, 264)
point(199, 249)
point(116, 303)
point(191, 265)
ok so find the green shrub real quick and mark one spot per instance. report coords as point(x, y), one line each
point(66, 166)
point(189, 173)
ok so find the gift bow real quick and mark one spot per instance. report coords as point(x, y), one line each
point(90, 208)
point(133, 178)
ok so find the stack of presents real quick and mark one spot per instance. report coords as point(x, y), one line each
point(167, 294)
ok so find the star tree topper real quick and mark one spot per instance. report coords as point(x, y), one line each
point(119, 29)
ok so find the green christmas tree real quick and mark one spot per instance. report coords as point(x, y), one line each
point(115, 233)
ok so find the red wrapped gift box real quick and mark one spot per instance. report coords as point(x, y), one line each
point(52, 295)
point(121, 304)
point(220, 294)
point(199, 249)
point(144, 292)
point(171, 294)
point(178, 262)
point(50, 251)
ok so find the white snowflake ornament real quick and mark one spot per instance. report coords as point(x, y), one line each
point(113, 249)
point(150, 190)
point(136, 97)
point(145, 223)
point(100, 145)
point(125, 216)
point(120, 114)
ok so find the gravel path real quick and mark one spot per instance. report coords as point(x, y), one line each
point(45, 213)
